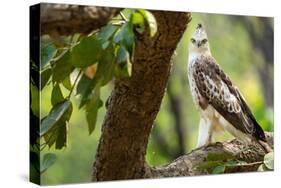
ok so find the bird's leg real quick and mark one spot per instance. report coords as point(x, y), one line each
point(205, 133)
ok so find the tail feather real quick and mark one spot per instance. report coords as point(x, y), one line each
point(258, 132)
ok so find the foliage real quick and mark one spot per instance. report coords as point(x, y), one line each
point(220, 162)
point(48, 160)
point(93, 61)
point(217, 162)
point(70, 167)
point(268, 162)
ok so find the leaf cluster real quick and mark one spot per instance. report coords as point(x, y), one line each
point(82, 65)
point(220, 162)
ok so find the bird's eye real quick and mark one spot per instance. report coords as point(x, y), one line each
point(204, 41)
point(192, 40)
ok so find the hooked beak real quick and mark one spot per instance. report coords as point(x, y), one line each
point(198, 44)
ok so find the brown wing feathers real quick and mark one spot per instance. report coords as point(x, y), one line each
point(258, 132)
point(217, 88)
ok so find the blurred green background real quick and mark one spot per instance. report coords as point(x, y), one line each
point(243, 46)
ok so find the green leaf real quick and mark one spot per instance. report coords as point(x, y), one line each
point(67, 83)
point(125, 37)
point(262, 168)
point(107, 32)
point(92, 109)
point(122, 55)
point(50, 137)
point(105, 72)
point(209, 164)
point(151, 21)
point(67, 115)
point(218, 170)
point(84, 89)
point(57, 96)
point(54, 116)
point(105, 68)
point(61, 136)
point(47, 53)
point(219, 156)
point(129, 43)
point(58, 133)
point(122, 71)
point(138, 21)
point(45, 77)
point(35, 99)
point(105, 45)
point(34, 74)
point(86, 53)
point(129, 69)
point(121, 33)
point(269, 160)
point(48, 160)
point(62, 67)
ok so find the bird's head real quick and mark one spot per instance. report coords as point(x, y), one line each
point(199, 41)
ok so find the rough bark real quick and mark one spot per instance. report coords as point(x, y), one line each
point(187, 165)
point(134, 103)
point(65, 19)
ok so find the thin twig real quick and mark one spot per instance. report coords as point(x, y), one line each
point(43, 147)
point(118, 24)
point(123, 16)
point(117, 19)
point(250, 164)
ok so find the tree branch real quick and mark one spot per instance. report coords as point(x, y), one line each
point(64, 19)
point(186, 165)
point(135, 102)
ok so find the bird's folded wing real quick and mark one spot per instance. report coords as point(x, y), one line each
point(218, 90)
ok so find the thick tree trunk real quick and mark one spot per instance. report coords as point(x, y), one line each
point(134, 103)
point(65, 19)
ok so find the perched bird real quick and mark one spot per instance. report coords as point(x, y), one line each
point(221, 105)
